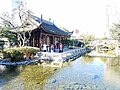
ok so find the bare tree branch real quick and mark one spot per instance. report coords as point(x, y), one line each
point(20, 22)
point(9, 23)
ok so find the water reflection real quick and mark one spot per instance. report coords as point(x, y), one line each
point(85, 73)
point(91, 59)
point(112, 71)
point(29, 77)
point(2, 68)
point(95, 61)
point(89, 73)
point(7, 75)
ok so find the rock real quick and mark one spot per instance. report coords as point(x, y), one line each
point(38, 82)
point(54, 81)
point(95, 77)
point(75, 87)
point(55, 69)
point(68, 88)
point(81, 87)
point(75, 83)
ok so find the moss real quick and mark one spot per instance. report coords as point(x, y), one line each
point(35, 76)
point(31, 77)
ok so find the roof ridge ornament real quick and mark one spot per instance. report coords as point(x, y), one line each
point(41, 18)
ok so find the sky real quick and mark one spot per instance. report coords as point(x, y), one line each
point(5, 7)
point(87, 16)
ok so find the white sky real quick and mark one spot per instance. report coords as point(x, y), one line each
point(5, 5)
point(84, 15)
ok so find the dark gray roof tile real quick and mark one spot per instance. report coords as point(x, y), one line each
point(51, 27)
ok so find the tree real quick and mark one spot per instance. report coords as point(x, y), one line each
point(87, 38)
point(115, 31)
point(19, 23)
point(5, 33)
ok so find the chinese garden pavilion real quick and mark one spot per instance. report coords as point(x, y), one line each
point(47, 32)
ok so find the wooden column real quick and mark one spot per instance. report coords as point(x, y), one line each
point(45, 39)
point(60, 39)
point(53, 40)
point(33, 40)
point(40, 39)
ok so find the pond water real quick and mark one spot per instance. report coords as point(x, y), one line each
point(85, 73)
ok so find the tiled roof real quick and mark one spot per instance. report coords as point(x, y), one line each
point(51, 27)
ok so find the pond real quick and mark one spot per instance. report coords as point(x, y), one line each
point(87, 73)
point(84, 73)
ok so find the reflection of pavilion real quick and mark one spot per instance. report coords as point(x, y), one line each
point(46, 32)
point(112, 74)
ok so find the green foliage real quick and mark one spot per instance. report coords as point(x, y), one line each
point(14, 54)
point(0, 50)
point(17, 53)
point(29, 51)
point(115, 31)
point(17, 22)
point(87, 38)
point(5, 33)
point(2, 42)
point(70, 42)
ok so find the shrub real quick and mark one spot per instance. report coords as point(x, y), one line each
point(14, 54)
point(17, 53)
point(29, 51)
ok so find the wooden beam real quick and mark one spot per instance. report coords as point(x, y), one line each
point(53, 35)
